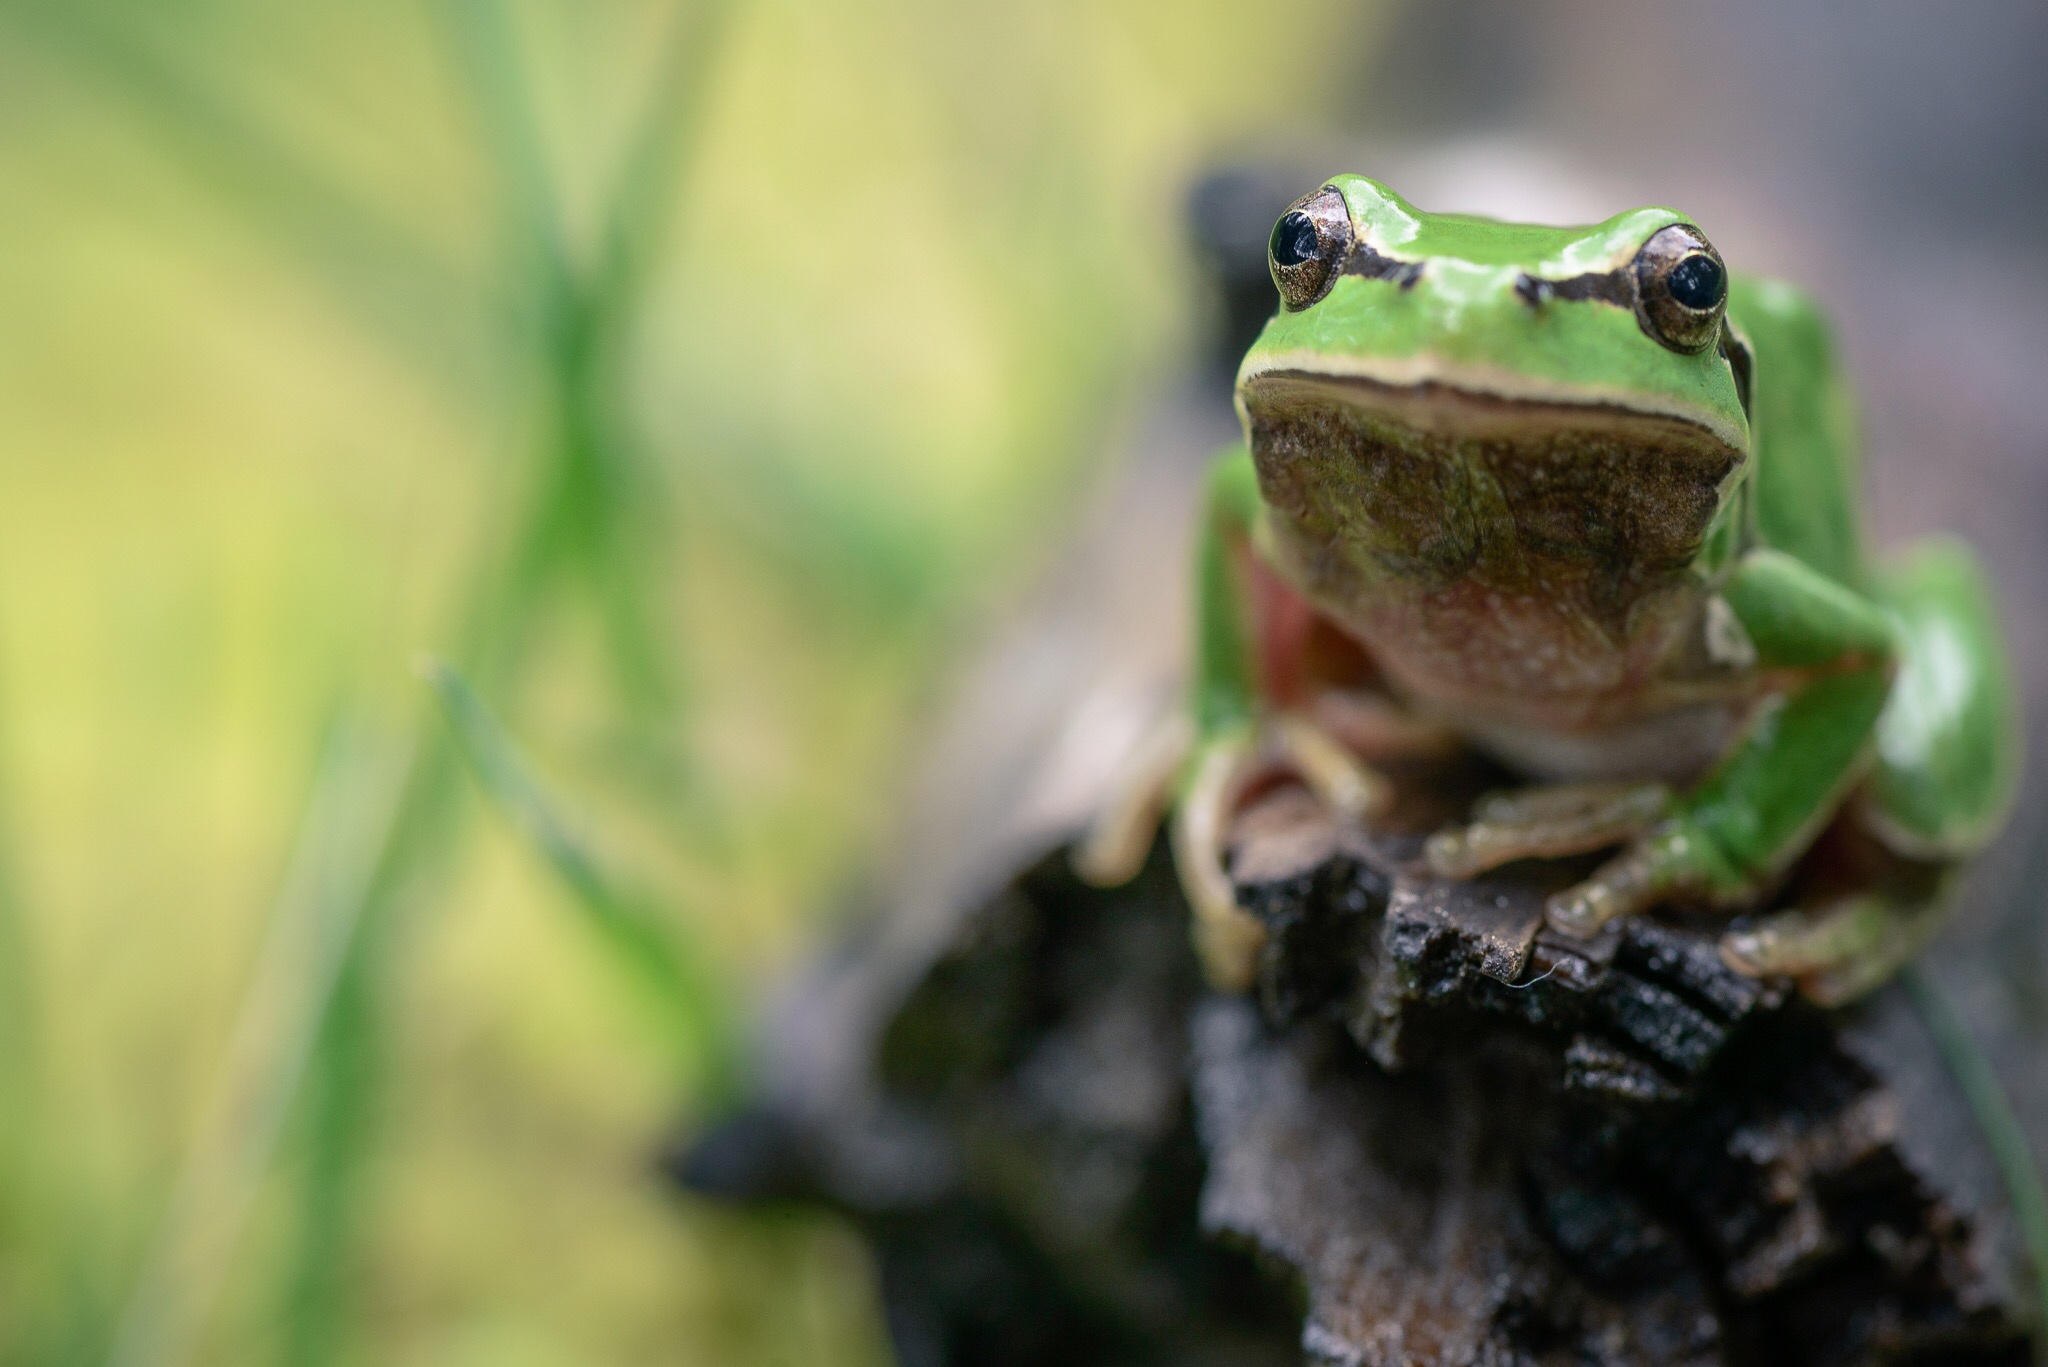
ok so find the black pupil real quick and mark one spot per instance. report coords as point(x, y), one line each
point(1294, 239)
point(1698, 282)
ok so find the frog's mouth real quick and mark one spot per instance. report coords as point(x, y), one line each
point(1435, 483)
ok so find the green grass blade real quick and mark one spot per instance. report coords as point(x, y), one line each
point(650, 950)
point(290, 993)
point(339, 1106)
point(343, 1089)
point(661, 152)
point(643, 198)
point(582, 501)
point(488, 50)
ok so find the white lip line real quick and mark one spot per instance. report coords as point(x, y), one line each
point(1414, 372)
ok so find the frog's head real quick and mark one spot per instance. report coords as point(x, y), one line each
point(1444, 398)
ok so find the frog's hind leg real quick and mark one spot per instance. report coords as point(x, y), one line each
point(1948, 741)
point(1547, 822)
point(1839, 948)
point(1947, 757)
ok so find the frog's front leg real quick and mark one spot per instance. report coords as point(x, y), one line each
point(1829, 656)
point(1547, 822)
point(1227, 763)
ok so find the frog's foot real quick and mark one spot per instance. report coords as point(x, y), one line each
point(1546, 823)
point(1225, 769)
point(1667, 859)
point(1841, 950)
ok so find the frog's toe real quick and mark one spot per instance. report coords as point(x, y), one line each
point(1651, 867)
point(1808, 940)
point(1345, 784)
point(1582, 910)
point(1227, 937)
point(1839, 951)
point(1546, 822)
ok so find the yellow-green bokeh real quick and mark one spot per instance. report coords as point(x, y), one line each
point(273, 400)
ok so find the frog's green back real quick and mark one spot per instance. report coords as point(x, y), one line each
point(1808, 468)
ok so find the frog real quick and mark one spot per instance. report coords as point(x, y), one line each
point(1585, 502)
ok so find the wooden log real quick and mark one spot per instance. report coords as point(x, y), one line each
point(1433, 1137)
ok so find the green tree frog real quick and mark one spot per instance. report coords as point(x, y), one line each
point(1586, 502)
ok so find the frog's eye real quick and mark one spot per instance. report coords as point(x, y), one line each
point(1308, 247)
point(1681, 289)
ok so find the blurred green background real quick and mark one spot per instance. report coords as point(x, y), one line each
point(687, 379)
point(684, 375)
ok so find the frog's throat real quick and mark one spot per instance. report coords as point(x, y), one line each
point(1463, 386)
point(1589, 504)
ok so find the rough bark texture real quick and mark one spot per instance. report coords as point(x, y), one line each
point(1619, 1151)
point(1434, 1137)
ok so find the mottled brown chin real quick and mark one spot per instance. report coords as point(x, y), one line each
point(1434, 485)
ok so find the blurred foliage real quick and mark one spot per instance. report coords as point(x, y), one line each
point(684, 374)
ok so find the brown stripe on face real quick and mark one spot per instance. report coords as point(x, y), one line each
point(1617, 287)
point(1366, 262)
